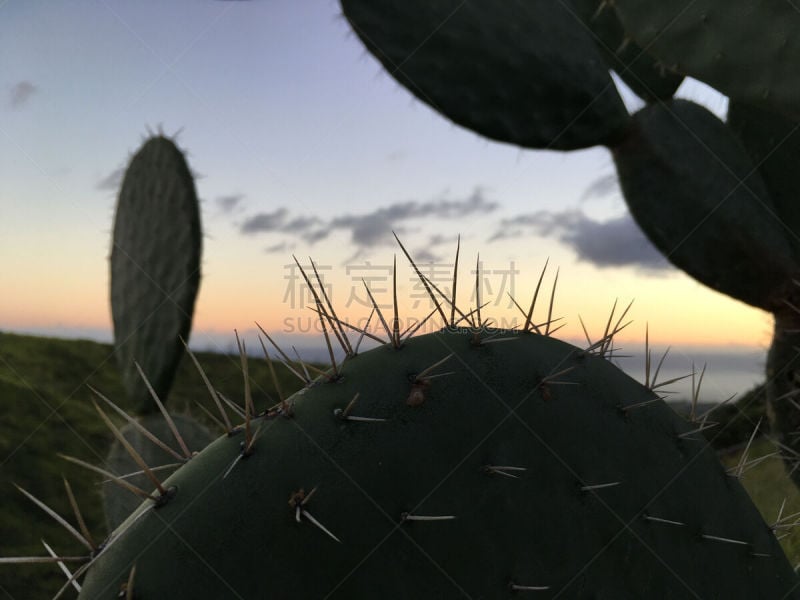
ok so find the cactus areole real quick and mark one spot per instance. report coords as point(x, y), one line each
point(473, 463)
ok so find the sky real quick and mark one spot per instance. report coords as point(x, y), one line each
point(303, 145)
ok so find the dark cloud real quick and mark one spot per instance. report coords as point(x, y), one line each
point(283, 247)
point(315, 236)
point(300, 224)
point(227, 204)
point(265, 222)
point(21, 93)
point(438, 239)
point(425, 256)
point(426, 253)
point(602, 187)
point(112, 181)
point(374, 228)
point(613, 243)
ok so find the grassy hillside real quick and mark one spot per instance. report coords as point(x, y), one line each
point(46, 409)
point(769, 487)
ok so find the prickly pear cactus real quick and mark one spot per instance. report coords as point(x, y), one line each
point(519, 72)
point(155, 267)
point(477, 463)
point(718, 199)
point(773, 144)
point(703, 205)
point(747, 49)
point(643, 73)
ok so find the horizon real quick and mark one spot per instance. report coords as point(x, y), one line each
point(730, 371)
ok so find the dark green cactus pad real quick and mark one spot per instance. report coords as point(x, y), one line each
point(748, 50)
point(155, 267)
point(693, 190)
point(645, 75)
point(773, 144)
point(526, 73)
point(119, 503)
point(480, 483)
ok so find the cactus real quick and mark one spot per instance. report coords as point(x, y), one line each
point(773, 144)
point(493, 67)
point(718, 199)
point(696, 202)
point(748, 50)
point(499, 477)
point(155, 276)
point(155, 267)
point(641, 72)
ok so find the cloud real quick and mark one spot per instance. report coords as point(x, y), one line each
point(368, 230)
point(425, 256)
point(282, 247)
point(375, 228)
point(601, 187)
point(112, 181)
point(264, 222)
point(315, 236)
point(21, 93)
point(300, 224)
point(438, 239)
point(613, 243)
point(227, 204)
point(426, 253)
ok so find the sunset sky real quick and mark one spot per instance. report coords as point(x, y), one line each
point(303, 145)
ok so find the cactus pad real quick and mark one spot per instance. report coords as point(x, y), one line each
point(155, 267)
point(519, 463)
point(773, 143)
point(693, 190)
point(525, 73)
point(748, 50)
point(645, 75)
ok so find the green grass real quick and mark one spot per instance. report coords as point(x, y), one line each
point(769, 486)
point(46, 409)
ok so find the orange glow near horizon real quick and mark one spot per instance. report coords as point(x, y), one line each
point(679, 311)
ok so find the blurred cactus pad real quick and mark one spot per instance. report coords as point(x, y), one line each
point(717, 197)
point(155, 268)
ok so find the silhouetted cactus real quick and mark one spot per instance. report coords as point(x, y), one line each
point(720, 200)
point(155, 276)
point(155, 268)
point(748, 50)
